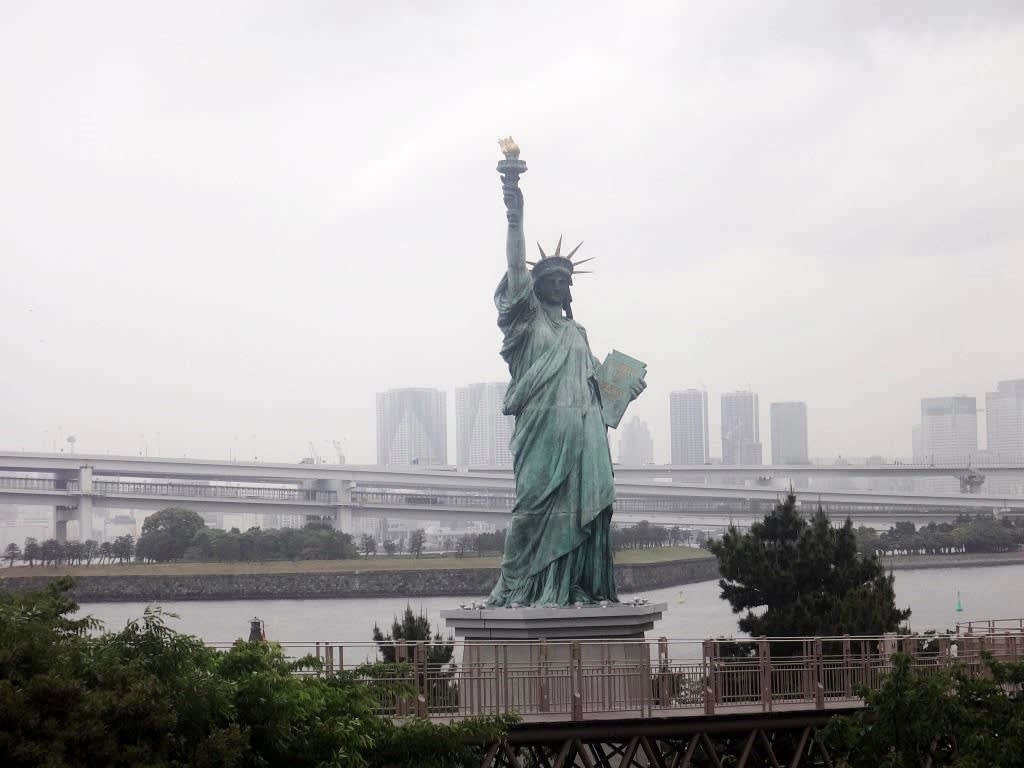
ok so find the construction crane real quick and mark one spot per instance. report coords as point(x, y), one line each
point(313, 455)
point(337, 449)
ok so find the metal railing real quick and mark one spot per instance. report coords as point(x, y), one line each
point(28, 483)
point(199, 491)
point(579, 679)
point(990, 626)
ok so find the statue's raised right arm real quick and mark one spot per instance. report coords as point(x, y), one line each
point(515, 244)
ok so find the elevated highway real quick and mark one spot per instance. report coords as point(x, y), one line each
point(75, 486)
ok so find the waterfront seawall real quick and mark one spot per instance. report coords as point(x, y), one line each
point(462, 582)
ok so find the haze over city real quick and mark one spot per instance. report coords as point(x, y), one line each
point(225, 229)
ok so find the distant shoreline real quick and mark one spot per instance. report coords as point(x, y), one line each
point(304, 581)
point(320, 579)
point(914, 562)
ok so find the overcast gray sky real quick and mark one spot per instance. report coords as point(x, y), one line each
point(225, 226)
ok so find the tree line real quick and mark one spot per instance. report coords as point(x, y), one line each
point(147, 695)
point(51, 552)
point(479, 544)
point(181, 534)
point(642, 535)
point(647, 535)
point(966, 534)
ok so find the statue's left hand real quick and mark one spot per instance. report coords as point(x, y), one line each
point(637, 388)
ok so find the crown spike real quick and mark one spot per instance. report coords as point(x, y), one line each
point(584, 261)
point(531, 263)
point(582, 271)
point(542, 254)
point(574, 251)
point(558, 248)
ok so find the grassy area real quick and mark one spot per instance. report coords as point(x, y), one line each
point(328, 566)
point(659, 555)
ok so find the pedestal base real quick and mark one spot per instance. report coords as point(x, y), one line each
point(591, 622)
point(538, 660)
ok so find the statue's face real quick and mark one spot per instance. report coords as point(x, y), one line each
point(553, 288)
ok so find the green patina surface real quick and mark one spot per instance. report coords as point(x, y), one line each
point(558, 549)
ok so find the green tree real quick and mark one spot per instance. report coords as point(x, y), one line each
point(168, 533)
point(123, 547)
point(32, 551)
point(794, 577)
point(368, 545)
point(50, 552)
point(417, 539)
point(411, 629)
point(941, 718)
point(150, 696)
point(12, 553)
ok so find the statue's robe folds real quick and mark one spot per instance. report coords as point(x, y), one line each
point(558, 549)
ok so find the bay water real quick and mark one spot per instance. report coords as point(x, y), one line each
point(695, 611)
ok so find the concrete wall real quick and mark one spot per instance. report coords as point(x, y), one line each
point(274, 586)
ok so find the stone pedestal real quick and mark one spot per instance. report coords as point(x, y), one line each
point(554, 660)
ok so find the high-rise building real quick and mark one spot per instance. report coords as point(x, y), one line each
point(482, 431)
point(917, 443)
point(741, 431)
point(949, 429)
point(636, 447)
point(1004, 421)
point(789, 433)
point(412, 427)
point(688, 426)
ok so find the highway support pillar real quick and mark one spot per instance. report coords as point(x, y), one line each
point(84, 515)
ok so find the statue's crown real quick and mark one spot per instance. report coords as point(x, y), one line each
point(556, 262)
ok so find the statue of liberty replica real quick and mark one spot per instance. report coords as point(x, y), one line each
point(558, 550)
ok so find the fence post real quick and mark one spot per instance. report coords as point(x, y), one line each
point(545, 697)
point(576, 676)
point(420, 671)
point(709, 677)
point(498, 679)
point(944, 658)
point(664, 690)
point(508, 681)
point(646, 680)
point(764, 659)
point(330, 658)
point(847, 676)
point(819, 681)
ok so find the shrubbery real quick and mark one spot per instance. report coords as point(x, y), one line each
point(147, 695)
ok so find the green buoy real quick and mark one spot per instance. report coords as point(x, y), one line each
point(959, 605)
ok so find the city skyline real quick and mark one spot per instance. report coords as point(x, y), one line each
point(689, 428)
point(412, 426)
point(741, 428)
point(789, 433)
point(482, 431)
point(1009, 397)
point(206, 253)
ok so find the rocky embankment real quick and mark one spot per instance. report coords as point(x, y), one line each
point(453, 582)
point(907, 562)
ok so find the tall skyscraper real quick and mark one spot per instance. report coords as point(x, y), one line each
point(789, 433)
point(412, 427)
point(636, 447)
point(741, 430)
point(1004, 421)
point(949, 429)
point(482, 431)
point(688, 426)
